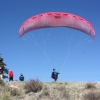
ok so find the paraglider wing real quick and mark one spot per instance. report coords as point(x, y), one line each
point(57, 19)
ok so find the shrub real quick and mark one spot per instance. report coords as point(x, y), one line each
point(33, 85)
point(59, 92)
point(14, 92)
point(45, 92)
point(90, 85)
point(63, 92)
point(92, 96)
point(2, 82)
point(5, 97)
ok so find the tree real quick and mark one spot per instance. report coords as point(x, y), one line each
point(2, 66)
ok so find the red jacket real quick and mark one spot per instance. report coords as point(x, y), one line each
point(10, 74)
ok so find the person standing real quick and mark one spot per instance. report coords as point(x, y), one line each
point(21, 78)
point(1, 73)
point(55, 74)
point(10, 75)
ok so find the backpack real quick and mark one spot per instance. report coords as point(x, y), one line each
point(21, 77)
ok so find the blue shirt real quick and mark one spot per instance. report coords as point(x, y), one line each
point(55, 72)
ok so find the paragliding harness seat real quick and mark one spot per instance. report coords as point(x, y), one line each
point(54, 76)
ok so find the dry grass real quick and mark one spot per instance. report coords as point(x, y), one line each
point(49, 90)
point(90, 85)
point(4, 93)
point(9, 93)
point(2, 83)
point(33, 85)
point(54, 91)
point(92, 95)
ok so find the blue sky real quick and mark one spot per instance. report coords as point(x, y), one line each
point(22, 55)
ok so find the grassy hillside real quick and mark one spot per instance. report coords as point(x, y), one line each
point(37, 90)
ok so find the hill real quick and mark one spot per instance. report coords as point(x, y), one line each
point(36, 90)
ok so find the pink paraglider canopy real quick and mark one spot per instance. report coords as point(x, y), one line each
point(57, 19)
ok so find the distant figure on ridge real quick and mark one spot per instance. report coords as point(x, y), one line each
point(54, 75)
point(21, 78)
point(1, 72)
point(10, 75)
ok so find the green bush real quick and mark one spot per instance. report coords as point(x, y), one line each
point(33, 85)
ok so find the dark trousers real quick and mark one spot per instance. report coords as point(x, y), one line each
point(10, 78)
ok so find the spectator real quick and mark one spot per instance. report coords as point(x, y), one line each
point(21, 78)
point(10, 75)
point(1, 73)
